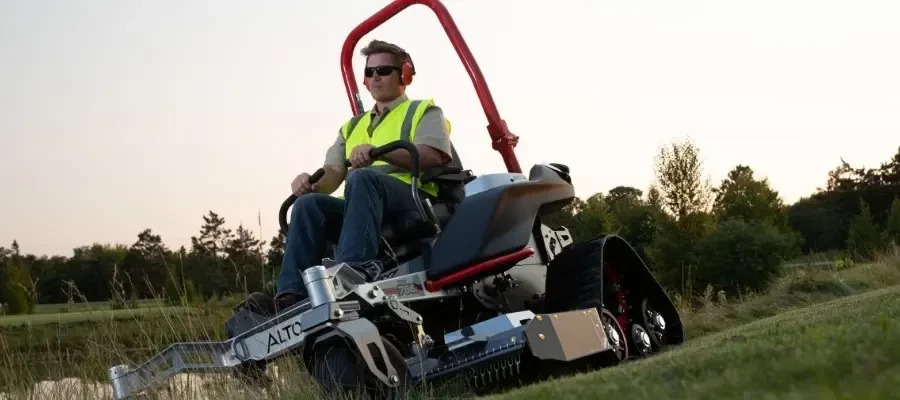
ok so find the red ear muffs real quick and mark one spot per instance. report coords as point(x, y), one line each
point(406, 73)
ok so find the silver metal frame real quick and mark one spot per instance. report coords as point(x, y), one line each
point(264, 342)
point(287, 331)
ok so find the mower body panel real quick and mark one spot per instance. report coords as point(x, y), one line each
point(497, 221)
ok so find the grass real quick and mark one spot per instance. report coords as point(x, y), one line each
point(98, 315)
point(86, 306)
point(840, 349)
point(799, 287)
point(815, 333)
point(84, 345)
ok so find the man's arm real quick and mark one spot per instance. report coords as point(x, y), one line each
point(335, 171)
point(432, 141)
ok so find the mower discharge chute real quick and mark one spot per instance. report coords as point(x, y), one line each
point(474, 284)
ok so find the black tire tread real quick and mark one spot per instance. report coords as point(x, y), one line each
point(574, 278)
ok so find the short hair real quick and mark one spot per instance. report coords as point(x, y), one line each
point(380, 47)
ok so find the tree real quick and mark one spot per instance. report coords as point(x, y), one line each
point(742, 196)
point(274, 257)
point(624, 193)
point(246, 258)
point(892, 228)
point(92, 268)
point(145, 265)
point(890, 171)
point(863, 239)
point(678, 179)
point(654, 199)
point(4, 254)
point(847, 178)
point(205, 265)
point(593, 219)
point(214, 237)
point(633, 218)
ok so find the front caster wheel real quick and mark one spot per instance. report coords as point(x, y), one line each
point(339, 370)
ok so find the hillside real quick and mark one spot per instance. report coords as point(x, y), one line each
point(844, 348)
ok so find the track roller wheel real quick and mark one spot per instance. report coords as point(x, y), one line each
point(617, 339)
point(655, 323)
point(639, 341)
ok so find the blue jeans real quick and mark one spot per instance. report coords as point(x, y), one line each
point(354, 222)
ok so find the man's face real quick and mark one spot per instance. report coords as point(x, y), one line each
point(384, 88)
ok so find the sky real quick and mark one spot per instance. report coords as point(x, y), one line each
point(121, 115)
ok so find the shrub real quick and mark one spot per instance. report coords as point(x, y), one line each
point(738, 256)
point(672, 255)
point(15, 289)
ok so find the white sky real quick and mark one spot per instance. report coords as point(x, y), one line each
point(121, 115)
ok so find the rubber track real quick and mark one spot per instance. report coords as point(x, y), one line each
point(574, 278)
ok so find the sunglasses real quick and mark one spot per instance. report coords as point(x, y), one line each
point(381, 70)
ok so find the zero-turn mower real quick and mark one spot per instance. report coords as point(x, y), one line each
point(475, 285)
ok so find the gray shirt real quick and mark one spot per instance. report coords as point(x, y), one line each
point(431, 131)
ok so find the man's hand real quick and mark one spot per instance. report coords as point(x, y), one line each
point(360, 156)
point(301, 185)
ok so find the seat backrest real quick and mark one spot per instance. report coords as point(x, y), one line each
point(450, 179)
point(406, 233)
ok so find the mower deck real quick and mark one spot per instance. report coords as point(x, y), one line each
point(499, 342)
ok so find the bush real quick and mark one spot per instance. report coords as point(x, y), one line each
point(739, 256)
point(672, 255)
point(15, 290)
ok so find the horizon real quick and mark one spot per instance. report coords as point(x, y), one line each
point(119, 117)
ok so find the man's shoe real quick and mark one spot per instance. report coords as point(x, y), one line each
point(370, 269)
point(287, 300)
point(259, 303)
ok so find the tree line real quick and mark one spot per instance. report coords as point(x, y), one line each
point(733, 237)
point(220, 262)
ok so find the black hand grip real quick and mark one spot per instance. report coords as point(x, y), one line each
point(376, 153)
point(316, 176)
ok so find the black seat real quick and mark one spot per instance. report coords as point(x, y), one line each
point(451, 191)
point(451, 179)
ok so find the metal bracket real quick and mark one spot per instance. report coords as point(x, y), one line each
point(402, 311)
point(414, 318)
point(364, 333)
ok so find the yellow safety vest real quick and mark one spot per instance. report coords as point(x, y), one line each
point(399, 124)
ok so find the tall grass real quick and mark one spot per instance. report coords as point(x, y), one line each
point(70, 359)
point(798, 287)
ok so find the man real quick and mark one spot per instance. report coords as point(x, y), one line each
point(375, 190)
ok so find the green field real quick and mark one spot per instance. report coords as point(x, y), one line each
point(97, 315)
point(817, 333)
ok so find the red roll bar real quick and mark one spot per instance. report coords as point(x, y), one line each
point(501, 138)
